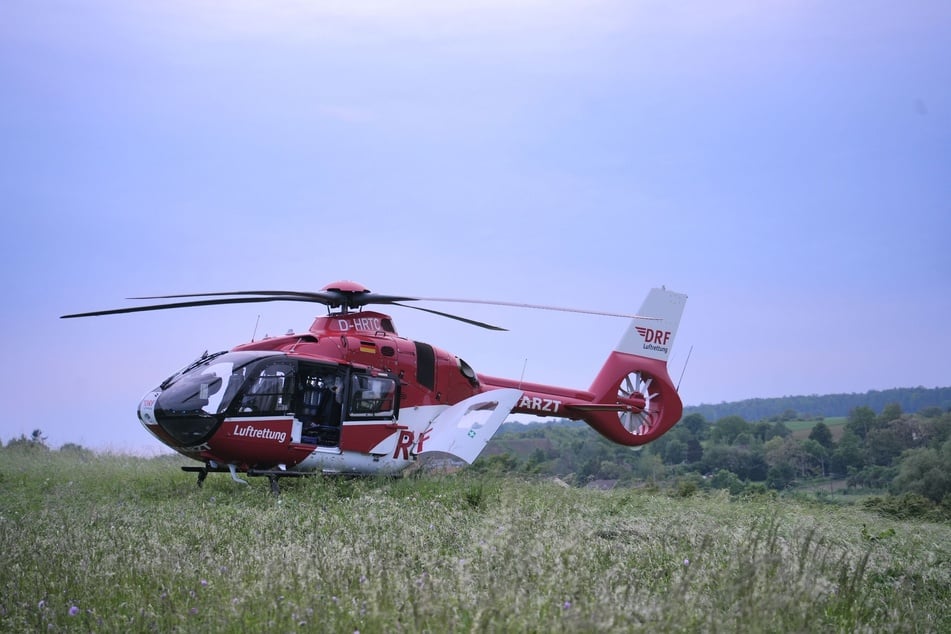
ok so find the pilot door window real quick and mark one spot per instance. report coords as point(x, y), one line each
point(372, 397)
point(320, 405)
point(270, 393)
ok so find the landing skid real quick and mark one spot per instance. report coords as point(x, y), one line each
point(271, 474)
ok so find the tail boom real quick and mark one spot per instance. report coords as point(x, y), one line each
point(633, 400)
point(629, 411)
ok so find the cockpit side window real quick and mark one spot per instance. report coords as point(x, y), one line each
point(372, 397)
point(269, 391)
point(320, 402)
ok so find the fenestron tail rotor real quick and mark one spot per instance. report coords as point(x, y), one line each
point(637, 385)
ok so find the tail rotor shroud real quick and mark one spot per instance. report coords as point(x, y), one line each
point(639, 422)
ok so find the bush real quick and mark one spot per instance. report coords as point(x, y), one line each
point(728, 480)
point(907, 506)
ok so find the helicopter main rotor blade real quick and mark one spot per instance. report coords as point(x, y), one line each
point(347, 296)
point(318, 297)
point(456, 317)
point(204, 302)
point(331, 298)
point(536, 306)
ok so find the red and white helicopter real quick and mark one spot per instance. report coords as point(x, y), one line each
point(351, 396)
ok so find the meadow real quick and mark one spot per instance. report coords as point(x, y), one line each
point(111, 543)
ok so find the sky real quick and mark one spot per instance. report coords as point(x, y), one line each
point(785, 163)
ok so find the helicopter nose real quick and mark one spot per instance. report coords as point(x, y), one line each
point(147, 409)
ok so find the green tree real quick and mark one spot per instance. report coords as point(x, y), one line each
point(890, 412)
point(727, 429)
point(873, 477)
point(498, 463)
point(786, 452)
point(36, 441)
point(926, 472)
point(849, 455)
point(886, 443)
point(77, 451)
point(728, 480)
point(535, 460)
point(696, 424)
point(822, 435)
point(818, 456)
point(861, 420)
point(694, 451)
point(675, 452)
point(649, 467)
point(745, 463)
point(780, 476)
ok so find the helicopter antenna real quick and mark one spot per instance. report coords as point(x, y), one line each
point(522, 378)
point(255, 333)
point(684, 369)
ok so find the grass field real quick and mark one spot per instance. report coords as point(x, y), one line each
point(117, 544)
point(802, 428)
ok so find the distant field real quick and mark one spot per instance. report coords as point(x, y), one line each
point(114, 544)
point(802, 428)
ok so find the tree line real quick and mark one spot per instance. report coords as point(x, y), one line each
point(912, 400)
point(886, 451)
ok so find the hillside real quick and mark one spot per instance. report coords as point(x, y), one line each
point(911, 400)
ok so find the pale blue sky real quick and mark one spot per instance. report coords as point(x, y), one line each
point(786, 164)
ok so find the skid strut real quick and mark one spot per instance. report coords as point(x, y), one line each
point(272, 475)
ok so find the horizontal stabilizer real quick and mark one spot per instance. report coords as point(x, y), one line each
point(465, 428)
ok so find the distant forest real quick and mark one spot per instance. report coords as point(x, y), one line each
point(895, 441)
point(911, 400)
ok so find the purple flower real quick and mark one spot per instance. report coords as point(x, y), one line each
point(193, 611)
point(203, 582)
point(41, 604)
point(566, 605)
point(73, 610)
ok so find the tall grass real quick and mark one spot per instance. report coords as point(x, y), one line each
point(113, 543)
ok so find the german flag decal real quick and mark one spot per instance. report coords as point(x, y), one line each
point(367, 347)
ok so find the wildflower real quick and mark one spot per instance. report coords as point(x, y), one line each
point(41, 604)
point(566, 605)
point(73, 610)
point(193, 611)
point(203, 582)
point(686, 562)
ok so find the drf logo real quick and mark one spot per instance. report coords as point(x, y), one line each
point(660, 337)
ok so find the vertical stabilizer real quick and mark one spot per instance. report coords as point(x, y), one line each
point(638, 401)
point(652, 333)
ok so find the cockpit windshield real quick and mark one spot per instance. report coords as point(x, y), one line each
point(190, 403)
